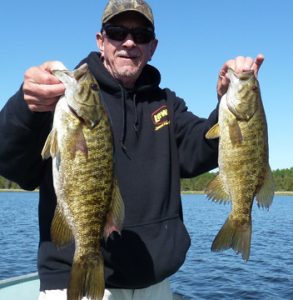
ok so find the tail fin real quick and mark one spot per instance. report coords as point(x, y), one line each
point(235, 236)
point(87, 278)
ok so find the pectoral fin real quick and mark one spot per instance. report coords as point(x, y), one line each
point(235, 132)
point(78, 142)
point(215, 191)
point(61, 233)
point(265, 195)
point(50, 148)
point(214, 132)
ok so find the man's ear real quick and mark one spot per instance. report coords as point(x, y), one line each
point(153, 48)
point(100, 42)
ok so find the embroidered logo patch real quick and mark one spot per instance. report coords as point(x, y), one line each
point(160, 117)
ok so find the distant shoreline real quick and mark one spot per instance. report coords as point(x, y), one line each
point(283, 193)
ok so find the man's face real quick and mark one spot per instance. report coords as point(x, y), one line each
point(126, 59)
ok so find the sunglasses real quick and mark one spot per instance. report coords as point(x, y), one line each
point(140, 35)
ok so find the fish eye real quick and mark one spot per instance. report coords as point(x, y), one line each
point(255, 88)
point(94, 87)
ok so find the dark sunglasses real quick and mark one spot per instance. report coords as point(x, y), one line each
point(140, 35)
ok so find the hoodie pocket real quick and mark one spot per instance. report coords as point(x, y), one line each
point(146, 254)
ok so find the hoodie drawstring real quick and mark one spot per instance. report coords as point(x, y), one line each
point(123, 133)
point(136, 121)
point(135, 124)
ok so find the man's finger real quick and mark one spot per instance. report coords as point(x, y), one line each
point(53, 65)
point(43, 102)
point(43, 91)
point(40, 76)
point(257, 63)
point(41, 108)
point(225, 67)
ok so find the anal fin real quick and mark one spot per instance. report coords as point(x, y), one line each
point(61, 233)
point(115, 216)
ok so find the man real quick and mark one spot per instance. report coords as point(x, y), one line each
point(156, 141)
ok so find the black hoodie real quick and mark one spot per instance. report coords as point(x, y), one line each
point(156, 141)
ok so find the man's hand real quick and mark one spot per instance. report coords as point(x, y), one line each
point(239, 64)
point(41, 89)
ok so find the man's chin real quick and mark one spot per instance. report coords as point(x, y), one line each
point(128, 78)
point(129, 73)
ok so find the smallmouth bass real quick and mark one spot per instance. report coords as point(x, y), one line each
point(244, 171)
point(89, 204)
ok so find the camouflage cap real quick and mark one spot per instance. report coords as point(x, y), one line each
point(116, 7)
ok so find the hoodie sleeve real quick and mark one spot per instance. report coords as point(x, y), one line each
point(22, 135)
point(196, 154)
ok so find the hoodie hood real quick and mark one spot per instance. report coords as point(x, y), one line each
point(146, 84)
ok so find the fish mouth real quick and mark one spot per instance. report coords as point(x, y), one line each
point(235, 105)
point(243, 76)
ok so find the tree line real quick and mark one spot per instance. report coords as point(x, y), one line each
point(7, 184)
point(283, 181)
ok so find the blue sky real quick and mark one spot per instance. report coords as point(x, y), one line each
point(195, 39)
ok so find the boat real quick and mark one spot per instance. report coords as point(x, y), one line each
point(26, 287)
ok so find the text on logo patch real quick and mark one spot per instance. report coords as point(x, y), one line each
point(160, 117)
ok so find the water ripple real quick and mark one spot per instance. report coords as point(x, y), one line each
point(205, 275)
point(224, 275)
point(18, 233)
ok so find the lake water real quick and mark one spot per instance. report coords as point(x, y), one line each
point(19, 233)
point(205, 275)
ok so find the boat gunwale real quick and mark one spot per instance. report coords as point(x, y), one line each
point(18, 279)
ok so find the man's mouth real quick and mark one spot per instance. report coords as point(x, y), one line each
point(132, 57)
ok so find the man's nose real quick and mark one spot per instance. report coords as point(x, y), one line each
point(129, 42)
